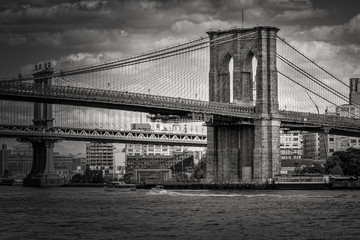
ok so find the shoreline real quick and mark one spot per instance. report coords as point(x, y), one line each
point(203, 186)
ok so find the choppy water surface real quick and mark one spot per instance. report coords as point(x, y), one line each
point(92, 213)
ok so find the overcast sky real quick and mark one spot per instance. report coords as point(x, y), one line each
point(71, 32)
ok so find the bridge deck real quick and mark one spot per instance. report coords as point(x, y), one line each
point(168, 105)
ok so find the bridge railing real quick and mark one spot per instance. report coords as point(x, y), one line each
point(322, 119)
point(152, 103)
point(128, 98)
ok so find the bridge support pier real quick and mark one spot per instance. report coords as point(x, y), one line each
point(230, 153)
point(267, 150)
point(43, 173)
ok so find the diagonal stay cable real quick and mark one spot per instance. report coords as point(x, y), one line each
point(313, 62)
point(311, 77)
point(313, 92)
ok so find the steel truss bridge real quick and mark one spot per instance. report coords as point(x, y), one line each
point(103, 135)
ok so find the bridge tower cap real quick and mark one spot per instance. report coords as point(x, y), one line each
point(242, 30)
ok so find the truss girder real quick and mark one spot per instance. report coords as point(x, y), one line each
point(124, 136)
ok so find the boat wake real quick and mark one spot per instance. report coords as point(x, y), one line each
point(230, 195)
point(156, 193)
point(209, 193)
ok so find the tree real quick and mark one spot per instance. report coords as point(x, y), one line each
point(77, 178)
point(336, 171)
point(331, 162)
point(347, 161)
point(128, 178)
point(317, 168)
point(89, 176)
point(200, 170)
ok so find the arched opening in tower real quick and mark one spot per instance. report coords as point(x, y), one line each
point(231, 74)
point(246, 86)
point(254, 70)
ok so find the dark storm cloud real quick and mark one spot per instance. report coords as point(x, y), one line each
point(52, 16)
point(78, 32)
point(35, 16)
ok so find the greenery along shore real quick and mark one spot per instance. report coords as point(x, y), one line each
point(343, 163)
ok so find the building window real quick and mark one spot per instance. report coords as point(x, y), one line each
point(331, 139)
point(331, 150)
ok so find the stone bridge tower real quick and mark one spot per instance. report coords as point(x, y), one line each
point(42, 172)
point(244, 152)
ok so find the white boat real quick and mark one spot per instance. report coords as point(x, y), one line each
point(159, 189)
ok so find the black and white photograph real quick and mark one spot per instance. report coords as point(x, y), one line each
point(179, 119)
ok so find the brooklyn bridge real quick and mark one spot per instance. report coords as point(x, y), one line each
point(244, 84)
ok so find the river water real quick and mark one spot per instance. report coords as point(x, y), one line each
point(93, 213)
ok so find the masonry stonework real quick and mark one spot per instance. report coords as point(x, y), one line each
point(42, 172)
point(240, 153)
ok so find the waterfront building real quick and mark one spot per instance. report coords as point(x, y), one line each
point(150, 149)
point(152, 175)
point(319, 146)
point(180, 165)
point(19, 162)
point(348, 110)
point(4, 153)
point(100, 156)
point(311, 145)
point(335, 143)
point(161, 162)
point(291, 144)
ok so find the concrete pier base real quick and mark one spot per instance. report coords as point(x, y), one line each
point(44, 180)
point(230, 153)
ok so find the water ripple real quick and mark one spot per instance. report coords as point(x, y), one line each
point(92, 213)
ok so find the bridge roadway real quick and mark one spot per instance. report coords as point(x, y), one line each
point(89, 97)
point(104, 135)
